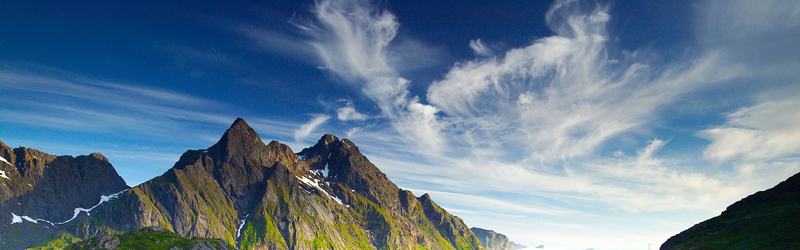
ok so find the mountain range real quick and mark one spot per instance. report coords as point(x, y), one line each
point(241, 191)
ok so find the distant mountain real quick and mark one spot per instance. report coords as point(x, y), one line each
point(492, 240)
point(253, 195)
point(40, 192)
point(768, 219)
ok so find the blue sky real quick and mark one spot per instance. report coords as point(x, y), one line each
point(568, 124)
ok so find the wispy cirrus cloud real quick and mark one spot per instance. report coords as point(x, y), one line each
point(132, 119)
point(530, 126)
point(304, 130)
point(480, 48)
point(563, 96)
point(352, 39)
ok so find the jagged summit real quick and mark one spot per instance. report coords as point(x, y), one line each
point(323, 147)
point(240, 135)
point(240, 146)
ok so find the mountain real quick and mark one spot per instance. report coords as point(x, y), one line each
point(39, 191)
point(492, 240)
point(253, 195)
point(765, 220)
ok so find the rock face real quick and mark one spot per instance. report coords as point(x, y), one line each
point(46, 189)
point(262, 196)
point(492, 240)
point(764, 220)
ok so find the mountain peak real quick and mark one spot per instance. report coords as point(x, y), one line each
point(240, 139)
point(239, 125)
point(323, 147)
point(239, 133)
point(327, 139)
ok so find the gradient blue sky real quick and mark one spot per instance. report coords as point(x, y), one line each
point(568, 124)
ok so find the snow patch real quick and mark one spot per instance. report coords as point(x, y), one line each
point(339, 201)
point(103, 199)
point(241, 225)
point(323, 172)
point(30, 219)
point(3, 174)
point(315, 183)
point(18, 219)
point(15, 219)
point(4, 160)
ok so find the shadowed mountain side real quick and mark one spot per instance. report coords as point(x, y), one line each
point(764, 220)
point(38, 190)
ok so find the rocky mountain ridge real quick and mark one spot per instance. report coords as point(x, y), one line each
point(264, 196)
point(43, 191)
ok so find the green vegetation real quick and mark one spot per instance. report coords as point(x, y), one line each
point(144, 239)
point(60, 240)
point(764, 226)
point(765, 220)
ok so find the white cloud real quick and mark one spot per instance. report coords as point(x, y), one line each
point(765, 131)
point(480, 49)
point(138, 117)
point(75, 103)
point(352, 131)
point(352, 40)
point(526, 124)
point(563, 96)
point(349, 113)
point(304, 130)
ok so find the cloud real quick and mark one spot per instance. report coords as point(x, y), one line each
point(305, 129)
point(762, 132)
point(80, 104)
point(564, 96)
point(87, 104)
point(634, 184)
point(531, 124)
point(352, 40)
point(278, 42)
point(480, 49)
point(349, 113)
point(132, 120)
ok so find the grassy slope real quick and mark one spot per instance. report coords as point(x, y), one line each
point(144, 239)
point(766, 220)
